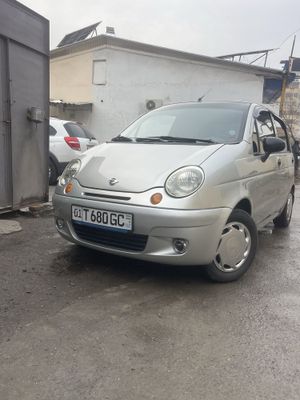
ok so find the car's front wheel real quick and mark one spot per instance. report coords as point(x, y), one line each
point(236, 250)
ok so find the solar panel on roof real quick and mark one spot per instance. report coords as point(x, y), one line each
point(295, 65)
point(77, 36)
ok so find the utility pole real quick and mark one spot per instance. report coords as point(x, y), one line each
point(285, 79)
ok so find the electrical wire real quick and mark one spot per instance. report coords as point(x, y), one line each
point(284, 41)
point(291, 34)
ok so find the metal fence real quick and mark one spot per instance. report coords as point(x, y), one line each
point(24, 106)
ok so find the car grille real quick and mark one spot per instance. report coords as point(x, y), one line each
point(109, 238)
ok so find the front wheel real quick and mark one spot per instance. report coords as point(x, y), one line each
point(283, 220)
point(236, 250)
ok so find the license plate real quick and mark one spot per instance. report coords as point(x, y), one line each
point(102, 218)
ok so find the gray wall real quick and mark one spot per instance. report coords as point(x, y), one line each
point(24, 83)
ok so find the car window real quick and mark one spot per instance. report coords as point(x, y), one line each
point(88, 134)
point(264, 125)
point(159, 125)
point(294, 144)
point(76, 130)
point(255, 139)
point(281, 131)
point(296, 147)
point(52, 131)
point(291, 139)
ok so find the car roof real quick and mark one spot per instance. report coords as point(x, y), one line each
point(244, 105)
point(58, 120)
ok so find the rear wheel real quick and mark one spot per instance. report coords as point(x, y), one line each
point(236, 250)
point(53, 174)
point(283, 220)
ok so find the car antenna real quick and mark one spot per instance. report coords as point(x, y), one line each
point(202, 97)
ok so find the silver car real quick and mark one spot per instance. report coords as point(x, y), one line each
point(186, 184)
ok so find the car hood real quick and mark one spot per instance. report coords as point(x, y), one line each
point(138, 167)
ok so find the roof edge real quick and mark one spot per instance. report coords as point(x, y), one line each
point(112, 41)
point(27, 10)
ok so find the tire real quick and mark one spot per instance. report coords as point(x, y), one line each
point(53, 174)
point(240, 236)
point(283, 220)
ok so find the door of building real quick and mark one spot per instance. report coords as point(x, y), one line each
point(5, 125)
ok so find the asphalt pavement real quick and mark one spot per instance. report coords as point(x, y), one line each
point(77, 324)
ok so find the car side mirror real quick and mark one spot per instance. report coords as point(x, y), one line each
point(272, 145)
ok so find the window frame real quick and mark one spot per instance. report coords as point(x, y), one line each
point(254, 127)
point(270, 115)
point(95, 80)
point(256, 113)
point(284, 127)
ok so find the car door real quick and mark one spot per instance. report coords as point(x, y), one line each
point(263, 185)
point(285, 163)
point(56, 141)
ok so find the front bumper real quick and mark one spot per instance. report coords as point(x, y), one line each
point(201, 228)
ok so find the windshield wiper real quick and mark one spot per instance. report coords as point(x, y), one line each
point(174, 139)
point(150, 139)
point(121, 139)
point(162, 139)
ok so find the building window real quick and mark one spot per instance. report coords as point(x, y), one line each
point(99, 72)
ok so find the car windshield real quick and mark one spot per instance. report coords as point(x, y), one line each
point(190, 123)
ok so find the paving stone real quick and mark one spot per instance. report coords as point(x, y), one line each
point(9, 226)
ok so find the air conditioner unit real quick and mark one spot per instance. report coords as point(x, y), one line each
point(151, 104)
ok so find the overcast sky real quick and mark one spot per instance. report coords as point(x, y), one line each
point(209, 27)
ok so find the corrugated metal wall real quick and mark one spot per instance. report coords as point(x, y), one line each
point(5, 145)
point(24, 83)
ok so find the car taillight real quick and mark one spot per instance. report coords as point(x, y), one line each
point(73, 142)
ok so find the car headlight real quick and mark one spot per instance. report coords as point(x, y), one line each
point(69, 172)
point(184, 181)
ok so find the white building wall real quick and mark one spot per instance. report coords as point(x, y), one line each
point(132, 78)
point(71, 77)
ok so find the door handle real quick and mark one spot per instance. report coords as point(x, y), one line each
point(279, 162)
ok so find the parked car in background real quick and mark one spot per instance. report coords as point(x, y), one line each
point(67, 140)
point(186, 184)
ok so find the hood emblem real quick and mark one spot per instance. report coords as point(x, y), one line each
point(113, 181)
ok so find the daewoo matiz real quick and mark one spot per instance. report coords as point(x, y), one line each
point(186, 184)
